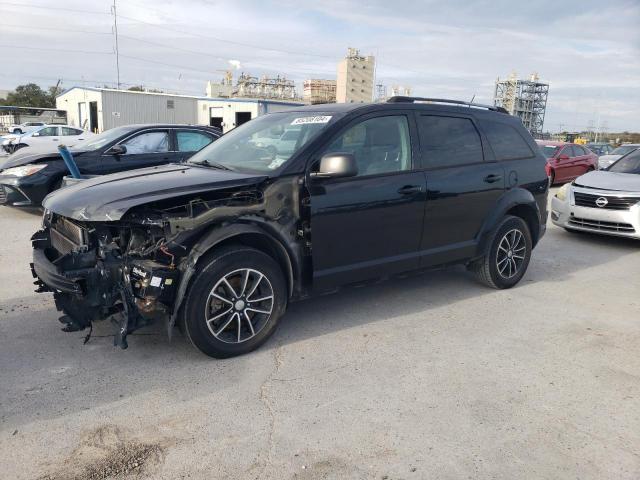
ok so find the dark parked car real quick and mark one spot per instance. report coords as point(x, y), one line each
point(29, 175)
point(223, 242)
point(600, 148)
point(567, 161)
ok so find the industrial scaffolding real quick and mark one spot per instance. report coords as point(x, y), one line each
point(526, 99)
point(278, 88)
point(317, 91)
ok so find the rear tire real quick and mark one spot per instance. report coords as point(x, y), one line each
point(235, 302)
point(507, 255)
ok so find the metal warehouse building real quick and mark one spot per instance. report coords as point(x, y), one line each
point(99, 109)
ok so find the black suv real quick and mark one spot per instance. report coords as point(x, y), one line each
point(290, 204)
point(30, 174)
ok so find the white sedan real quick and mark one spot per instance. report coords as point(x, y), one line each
point(604, 201)
point(47, 136)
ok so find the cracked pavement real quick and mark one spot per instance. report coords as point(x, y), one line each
point(428, 376)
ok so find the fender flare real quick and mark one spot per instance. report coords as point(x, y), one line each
point(516, 197)
point(222, 233)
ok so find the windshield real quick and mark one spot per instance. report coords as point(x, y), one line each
point(624, 149)
point(98, 141)
point(628, 164)
point(548, 150)
point(266, 143)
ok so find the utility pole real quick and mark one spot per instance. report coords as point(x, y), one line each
point(115, 31)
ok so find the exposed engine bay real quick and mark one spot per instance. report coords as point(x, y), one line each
point(135, 270)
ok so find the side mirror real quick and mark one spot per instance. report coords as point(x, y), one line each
point(35, 134)
point(337, 165)
point(117, 150)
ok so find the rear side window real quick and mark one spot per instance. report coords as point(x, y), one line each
point(66, 131)
point(506, 142)
point(448, 141)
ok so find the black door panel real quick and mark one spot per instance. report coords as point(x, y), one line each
point(365, 226)
point(459, 199)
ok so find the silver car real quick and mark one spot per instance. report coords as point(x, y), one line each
point(605, 161)
point(603, 201)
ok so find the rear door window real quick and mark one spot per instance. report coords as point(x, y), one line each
point(192, 141)
point(448, 141)
point(506, 141)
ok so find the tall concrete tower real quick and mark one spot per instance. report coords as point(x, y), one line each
point(355, 82)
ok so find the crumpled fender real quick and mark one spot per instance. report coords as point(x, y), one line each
point(218, 234)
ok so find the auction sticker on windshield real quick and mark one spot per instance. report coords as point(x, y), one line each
point(308, 120)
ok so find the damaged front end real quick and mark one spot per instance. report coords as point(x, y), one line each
point(121, 271)
point(133, 266)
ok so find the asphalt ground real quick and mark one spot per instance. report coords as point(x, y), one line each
point(432, 376)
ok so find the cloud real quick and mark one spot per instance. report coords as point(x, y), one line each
point(588, 50)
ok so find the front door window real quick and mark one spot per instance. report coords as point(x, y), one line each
point(379, 145)
point(150, 142)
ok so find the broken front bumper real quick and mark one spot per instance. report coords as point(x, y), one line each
point(49, 277)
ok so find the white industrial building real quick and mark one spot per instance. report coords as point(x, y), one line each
point(99, 109)
point(355, 79)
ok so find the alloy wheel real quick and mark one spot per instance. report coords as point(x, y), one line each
point(511, 253)
point(239, 305)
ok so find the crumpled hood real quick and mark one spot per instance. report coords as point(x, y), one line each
point(624, 182)
point(109, 197)
point(28, 155)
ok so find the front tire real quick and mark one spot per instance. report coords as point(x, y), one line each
point(507, 255)
point(234, 304)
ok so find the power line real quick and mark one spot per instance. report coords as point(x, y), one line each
point(70, 30)
point(222, 40)
point(55, 50)
point(208, 72)
point(56, 8)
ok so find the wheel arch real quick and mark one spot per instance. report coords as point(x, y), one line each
point(518, 202)
point(249, 234)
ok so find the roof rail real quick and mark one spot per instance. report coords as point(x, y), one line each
point(401, 99)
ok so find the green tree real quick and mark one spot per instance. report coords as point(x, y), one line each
point(31, 95)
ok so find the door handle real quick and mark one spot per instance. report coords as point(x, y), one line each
point(492, 178)
point(410, 189)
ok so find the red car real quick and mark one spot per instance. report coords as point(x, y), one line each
point(567, 161)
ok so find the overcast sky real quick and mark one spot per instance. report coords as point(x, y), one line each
point(589, 51)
